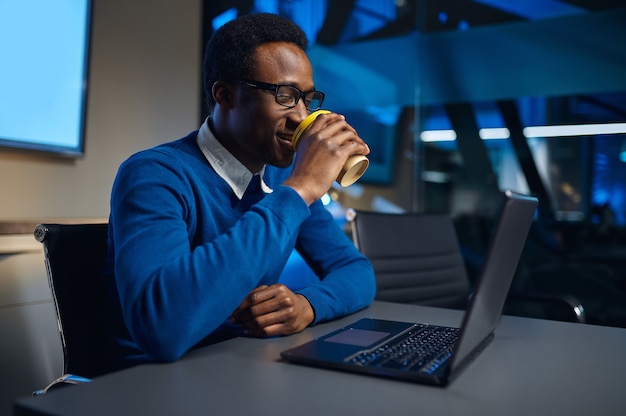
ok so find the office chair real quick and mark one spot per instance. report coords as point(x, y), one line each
point(417, 259)
point(74, 255)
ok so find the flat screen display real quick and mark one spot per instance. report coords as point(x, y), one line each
point(44, 49)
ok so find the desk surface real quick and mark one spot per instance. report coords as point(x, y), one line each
point(532, 367)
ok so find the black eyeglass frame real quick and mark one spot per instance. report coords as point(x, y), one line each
point(260, 85)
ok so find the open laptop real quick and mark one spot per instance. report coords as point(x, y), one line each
point(402, 350)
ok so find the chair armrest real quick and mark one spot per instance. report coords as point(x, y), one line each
point(576, 311)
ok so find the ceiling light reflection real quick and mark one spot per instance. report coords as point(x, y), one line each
point(531, 132)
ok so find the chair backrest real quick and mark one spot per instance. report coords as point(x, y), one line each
point(74, 256)
point(416, 257)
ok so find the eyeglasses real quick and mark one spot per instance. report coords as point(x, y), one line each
point(288, 95)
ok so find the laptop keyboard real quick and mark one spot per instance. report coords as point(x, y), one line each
point(422, 348)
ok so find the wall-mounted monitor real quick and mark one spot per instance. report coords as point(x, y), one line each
point(44, 47)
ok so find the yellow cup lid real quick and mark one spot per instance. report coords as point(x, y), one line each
point(304, 125)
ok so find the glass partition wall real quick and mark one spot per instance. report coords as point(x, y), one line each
point(459, 100)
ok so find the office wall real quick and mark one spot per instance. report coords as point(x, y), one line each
point(144, 89)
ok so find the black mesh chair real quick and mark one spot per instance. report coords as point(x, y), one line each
point(74, 257)
point(417, 259)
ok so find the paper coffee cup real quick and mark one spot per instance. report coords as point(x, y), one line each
point(354, 167)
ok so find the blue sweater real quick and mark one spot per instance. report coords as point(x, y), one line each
point(184, 252)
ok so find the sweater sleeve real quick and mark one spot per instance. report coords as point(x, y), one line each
point(182, 260)
point(185, 257)
point(347, 281)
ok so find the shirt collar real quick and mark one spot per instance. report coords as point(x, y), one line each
point(227, 166)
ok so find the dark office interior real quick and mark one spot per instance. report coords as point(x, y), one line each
point(406, 74)
point(458, 101)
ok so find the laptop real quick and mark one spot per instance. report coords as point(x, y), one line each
point(406, 350)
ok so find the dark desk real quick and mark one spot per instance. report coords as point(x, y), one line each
point(532, 367)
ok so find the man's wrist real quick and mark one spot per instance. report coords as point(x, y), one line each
point(310, 318)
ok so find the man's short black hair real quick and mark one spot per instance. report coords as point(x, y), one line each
point(229, 54)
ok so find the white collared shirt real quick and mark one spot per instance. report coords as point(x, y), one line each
point(227, 166)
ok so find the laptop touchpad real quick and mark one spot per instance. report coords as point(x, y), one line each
point(358, 337)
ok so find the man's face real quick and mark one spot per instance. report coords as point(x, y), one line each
point(263, 128)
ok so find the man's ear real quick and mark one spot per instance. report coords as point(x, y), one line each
point(223, 93)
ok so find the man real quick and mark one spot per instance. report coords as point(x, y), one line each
point(194, 252)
